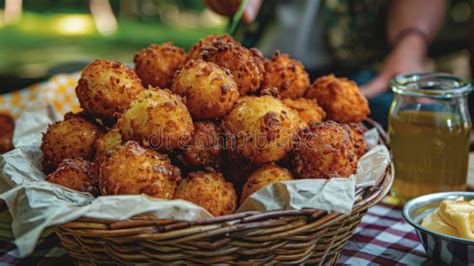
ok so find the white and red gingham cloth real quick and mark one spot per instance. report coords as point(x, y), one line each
point(382, 238)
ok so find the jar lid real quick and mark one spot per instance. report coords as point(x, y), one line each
point(431, 85)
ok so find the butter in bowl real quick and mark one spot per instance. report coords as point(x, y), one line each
point(444, 223)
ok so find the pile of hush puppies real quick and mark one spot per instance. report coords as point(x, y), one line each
point(210, 126)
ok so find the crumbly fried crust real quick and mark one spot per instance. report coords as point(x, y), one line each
point(261, 129)
point(210, 191)
point(106, 88)
point(324, 150)
point(157, 119)
point(267, 174)
point(133, 169)
point(209, 90)
point(286, 75)
point(340, 98)
point(156, 65)
point(76, 174)
point(71, 138)
point(308, 110)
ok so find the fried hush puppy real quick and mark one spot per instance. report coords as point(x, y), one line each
point(246, 65)
point(267, 174)
point(287, 75)
point(357, 133)
point(324, 150)
point(157, 64)
point(207, 42)
point(106, 88)
point(132, 169)
point(261, 129)
point(7, 125)
point(308, 110)
point(205, 149)
point(157, 119)
point(210, 191)
point(72, 138)
point(106, 143)
point(209, 91)
point(340, 98)
point(76, 174)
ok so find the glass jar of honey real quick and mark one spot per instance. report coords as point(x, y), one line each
point(429, 128)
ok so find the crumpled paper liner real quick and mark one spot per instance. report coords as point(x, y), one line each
point(35, 204)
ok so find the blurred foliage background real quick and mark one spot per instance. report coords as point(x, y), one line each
point(39, 38)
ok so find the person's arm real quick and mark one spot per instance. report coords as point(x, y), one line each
point(411, 26)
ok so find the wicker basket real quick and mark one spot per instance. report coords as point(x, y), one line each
point(282, 237)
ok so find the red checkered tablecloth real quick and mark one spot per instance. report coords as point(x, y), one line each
point(382, 238)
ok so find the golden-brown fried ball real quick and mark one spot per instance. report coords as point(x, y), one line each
point(287, 75)
point(132, 169)
point(107, 87)
point(207, 42)
point(76, 174)
point(261, 129)
point(246, 65)
point(7, 125)
point(308, 110)
point(157, 64)
point(106, 143)
point(324, 150)
point(267, 174)
point(210, 91)
point(158, 119)
point(205, 149)
point(340, 98)
point(210, 191)
point(71, 138)
point(357, 133)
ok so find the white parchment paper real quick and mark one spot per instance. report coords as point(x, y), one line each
point(36, 204)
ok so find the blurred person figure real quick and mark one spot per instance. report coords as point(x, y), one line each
point(344, 37)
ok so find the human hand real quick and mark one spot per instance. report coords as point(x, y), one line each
point(407, 57)
point(230, 7)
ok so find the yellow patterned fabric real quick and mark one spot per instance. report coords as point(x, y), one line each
point(59, 91)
